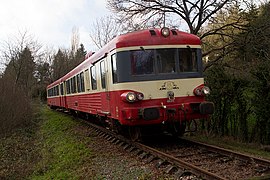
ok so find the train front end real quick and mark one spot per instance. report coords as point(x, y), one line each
point(161, 83)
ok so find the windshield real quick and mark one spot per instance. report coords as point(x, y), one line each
point(167, 61)
point(151, 64)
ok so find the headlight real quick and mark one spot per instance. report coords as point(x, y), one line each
point(131, 97)
point(201, 90)
point(140, 96)
point(205, 90)
point(198, 92)
point(165, 31)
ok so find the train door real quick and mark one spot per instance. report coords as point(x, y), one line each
point(62, 95)
point(104, 84)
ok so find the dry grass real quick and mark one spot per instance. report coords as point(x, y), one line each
point(19, 152)
point(15, 108)
point(56, 146)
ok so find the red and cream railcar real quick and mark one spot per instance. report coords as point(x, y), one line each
point(144, 78)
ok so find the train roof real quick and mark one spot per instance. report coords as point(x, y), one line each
point(154, 37)
point(149, 37)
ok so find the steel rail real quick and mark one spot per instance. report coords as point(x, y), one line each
point(227, 152)
point(170, 159)
point(194, 169)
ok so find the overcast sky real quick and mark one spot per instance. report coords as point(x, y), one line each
point(50, 21)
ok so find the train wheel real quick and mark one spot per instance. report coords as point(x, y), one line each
point(115, 126)
point(134, 133)
point(192, 125)
point(178, 129)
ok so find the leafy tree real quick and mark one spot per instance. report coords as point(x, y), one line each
point(220, 36)
point(43, 75)
point(60, 65)
point(254, 49)
point(65, 60)
point(22, 69)
point(79, 56)
point(17, 83)
point(240, 82)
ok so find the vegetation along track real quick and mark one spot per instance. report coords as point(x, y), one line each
point(187, 159)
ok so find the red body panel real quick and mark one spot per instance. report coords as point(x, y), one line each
point(128, 113)
point(54, 101)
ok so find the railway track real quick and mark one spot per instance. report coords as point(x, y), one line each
point(186, 159)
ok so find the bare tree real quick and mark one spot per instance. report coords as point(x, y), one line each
point(19, 55)
point(11, 48)
point(103, 30)
point(195, 13)
point(75, 40)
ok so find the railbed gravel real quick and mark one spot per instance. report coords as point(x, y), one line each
point(110, 161)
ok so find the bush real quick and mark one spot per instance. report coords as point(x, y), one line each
point(232, 96)
point(262, 102)
point(15, 109)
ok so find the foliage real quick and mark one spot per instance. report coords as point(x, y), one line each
point(15, 109)
point(16, 86)
point(43, 75)
point(254, 49)
point(231, 97)
point(28, 71)
point(20, 70)
point(240, 83)
point(60, 64)
point(19, 152)
point(64, 61)
point(61, 152)
point(220, 36)
point(262, 102)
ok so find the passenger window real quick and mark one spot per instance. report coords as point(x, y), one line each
point(93, 78)
point(114, 69)
point(57, 90)
point(79, 83)
point(87, 80)
point(54, 91)
point(82, 81)
point(103, 74)
point(68, 86)
point(62, 89)
point(49, 92)
point(73, 85)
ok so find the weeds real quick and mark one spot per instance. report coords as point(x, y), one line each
point(61, 153)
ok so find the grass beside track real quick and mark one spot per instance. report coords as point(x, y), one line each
point(62, 155)
point(57, 146)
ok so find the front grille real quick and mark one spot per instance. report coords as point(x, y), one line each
point(207, 108)
point(150, 113)
point(195, 107)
